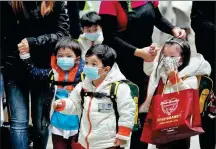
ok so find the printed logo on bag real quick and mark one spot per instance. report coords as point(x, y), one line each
point(169, 106)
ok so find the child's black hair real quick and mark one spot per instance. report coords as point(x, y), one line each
point(106, 54)
point(68, 42)
point(185, 50)
point(90, 18)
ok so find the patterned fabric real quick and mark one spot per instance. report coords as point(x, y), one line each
point(171, 63)
point(168, 64)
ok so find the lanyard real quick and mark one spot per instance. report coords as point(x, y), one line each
point(129, 6)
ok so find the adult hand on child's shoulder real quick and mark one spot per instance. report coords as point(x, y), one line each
point(178, 32)
point(119, 142)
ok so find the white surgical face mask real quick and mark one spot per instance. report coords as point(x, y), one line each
point(92, 36)
point(66, 63)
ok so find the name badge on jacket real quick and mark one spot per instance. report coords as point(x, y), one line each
point(105, 107)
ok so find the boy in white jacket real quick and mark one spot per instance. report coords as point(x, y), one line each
point(170, 69)
point(92, 33)
point(98, 122)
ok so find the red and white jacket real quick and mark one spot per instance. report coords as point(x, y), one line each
point(98, 129)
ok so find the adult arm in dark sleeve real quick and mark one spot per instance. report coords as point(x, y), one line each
point(35, 73)
point(73, 12)
point(162, 23)
point(63, 27)
point(109, 28)
point(199, 20)
point(2, 30)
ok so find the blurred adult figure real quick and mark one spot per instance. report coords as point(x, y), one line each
point(33, 26)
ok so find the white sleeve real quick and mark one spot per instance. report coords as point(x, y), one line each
point(73, 103)
point(126, 109)
point(148, 67)
point(24, 56)
point(188, 83)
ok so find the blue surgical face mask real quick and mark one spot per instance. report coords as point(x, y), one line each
point(92, 36)
point(65, 63)
point(91, 72)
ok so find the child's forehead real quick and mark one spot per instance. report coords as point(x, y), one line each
point(174, 48)
point(93, 58)
point(65, 50)
point(92, 26)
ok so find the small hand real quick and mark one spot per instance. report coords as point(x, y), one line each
point(147, 53)
point(178, 33)
point(153, 49)
point(119, 142)
point(57, 104)
point(23, 46)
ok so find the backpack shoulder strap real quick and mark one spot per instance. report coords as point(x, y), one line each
point(82, 94)
point(51, 75)
point(83, 76)
point(113, 96)
point(113, 89)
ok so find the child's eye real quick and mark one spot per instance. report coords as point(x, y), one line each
point(69, 56)
point(94, 64)
point(86, 63)
point(60, 56)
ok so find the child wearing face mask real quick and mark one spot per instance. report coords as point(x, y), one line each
point(92, 33)
point(175, 69)
point(98, 121)
point(64, 75)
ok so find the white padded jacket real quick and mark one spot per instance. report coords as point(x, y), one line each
point(98, 129)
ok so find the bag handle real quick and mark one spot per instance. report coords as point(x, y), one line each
point(166, 85)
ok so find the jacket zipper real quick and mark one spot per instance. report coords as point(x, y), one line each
point(88, 116)
point(90, 129)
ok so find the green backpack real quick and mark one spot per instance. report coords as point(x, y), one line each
point(206, 95)
point(113, 96)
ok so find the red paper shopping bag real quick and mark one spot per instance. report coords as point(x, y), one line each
point(175, 116)
point(147, 128)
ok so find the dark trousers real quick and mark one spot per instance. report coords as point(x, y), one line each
point(207, 139)
point(61, 143)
